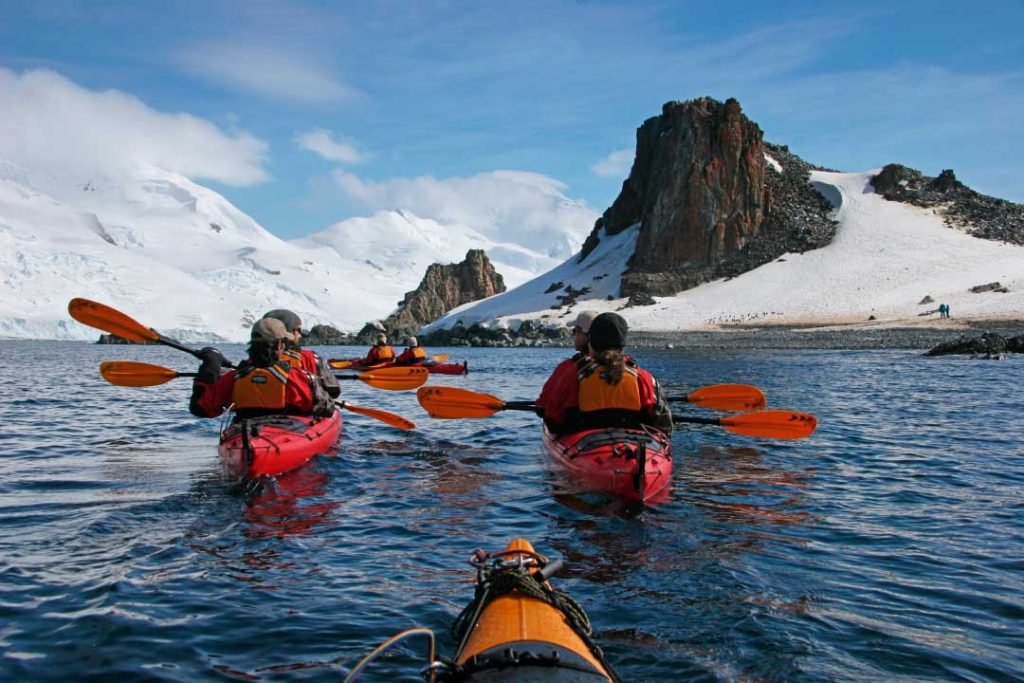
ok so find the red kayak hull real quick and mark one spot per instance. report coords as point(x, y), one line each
point(606, 460)
point(276, 443)
point(432, 368)
point(447, 368)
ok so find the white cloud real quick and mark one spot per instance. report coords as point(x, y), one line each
point(616, 164)
point(507, 206)
point(49, 123)
point(322, 142)
point(267, 72)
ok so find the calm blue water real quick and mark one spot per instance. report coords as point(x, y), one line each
point(888, 546)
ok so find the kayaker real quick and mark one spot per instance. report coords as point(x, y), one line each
point(604, 388)
point(306, 358)
point(262, 384)
point(380, 352)
point(413, 354)
point(580, 328)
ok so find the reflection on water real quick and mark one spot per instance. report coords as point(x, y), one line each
point(882, 548)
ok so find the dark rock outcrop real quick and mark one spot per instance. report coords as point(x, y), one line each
point(530, 333)
point(707, 202)
point(114, 339)
point(325, 335)
point(989, 344)
point(443, 288)
point(960, 206)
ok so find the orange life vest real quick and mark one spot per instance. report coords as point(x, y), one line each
point(293, 357)
point(383, 353)
point(260, 388)
point(597, 394)
point(418, 353)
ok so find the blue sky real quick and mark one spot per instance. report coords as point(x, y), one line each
point(295, 109)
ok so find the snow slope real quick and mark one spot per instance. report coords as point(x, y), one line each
point(885, 258)
point(181, 258)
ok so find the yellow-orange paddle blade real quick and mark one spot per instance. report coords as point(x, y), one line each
point(769, 424)
point(339, 364)
point(396, 421)
point(393, 379)
point(452, 402)
point(105, 318)
point(440, 359)
point(728, 397)
point(129, 373)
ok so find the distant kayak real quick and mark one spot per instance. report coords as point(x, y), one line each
point(635, 464)
point(434, 368)
point(275, 444)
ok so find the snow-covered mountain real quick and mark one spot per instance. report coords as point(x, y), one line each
point(886, 257)
point(183, 259)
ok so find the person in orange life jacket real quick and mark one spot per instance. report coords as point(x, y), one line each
point(308, 360)
point(261, 384)
point(379, 352)
point(413, 354)
point(581, 342)
point(605, 388)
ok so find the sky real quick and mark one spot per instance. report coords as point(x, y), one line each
point(306, 113)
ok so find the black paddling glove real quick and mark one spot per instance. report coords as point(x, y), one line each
point(213, 360)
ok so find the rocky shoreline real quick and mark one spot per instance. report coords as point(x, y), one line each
point(825, 338)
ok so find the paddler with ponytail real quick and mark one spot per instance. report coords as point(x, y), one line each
point(604, 388)
point(263, 384)
point(304, 358)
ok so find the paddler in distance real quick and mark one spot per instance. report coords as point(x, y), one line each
point(414, 354)
point(380, 352)
point(305, 358)
point(262, 384)
point(605, 388)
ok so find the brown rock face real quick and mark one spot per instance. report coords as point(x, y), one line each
point(443, 288)
point(697, 188)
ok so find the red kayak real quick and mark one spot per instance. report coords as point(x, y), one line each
point(612, 460)
point(433, 368)
point(274, 444)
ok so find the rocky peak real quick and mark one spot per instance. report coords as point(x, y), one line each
point(443, 288)
point(960, 206)
point(701, 191)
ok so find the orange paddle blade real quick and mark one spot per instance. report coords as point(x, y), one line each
point(396, 421)
point(451, 402)
point(395, 379)
point(728, 397)
point(339, 364)
point(772, 424)
point(105, 318)
point(441, 358)
point(128, 373)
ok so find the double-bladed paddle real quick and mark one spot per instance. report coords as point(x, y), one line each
point(768, 424)
point(396, 421)
point(129, 373)
point(102, 317)
point(342, 364)
point(725, 397)
point(126, 373)
point(453, 403)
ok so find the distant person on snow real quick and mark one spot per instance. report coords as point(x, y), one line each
point(604, 388)
point(304, 358)
point(947, 310)
point(413, 354)
point(380, 352)
point(263, 384)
